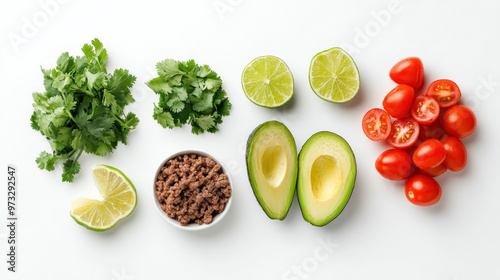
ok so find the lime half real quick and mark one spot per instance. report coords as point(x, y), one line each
point(119, 200)
point(334, 76)
point(267, 81)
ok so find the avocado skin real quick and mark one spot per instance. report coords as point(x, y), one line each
point(354, 182)
point(249, 142)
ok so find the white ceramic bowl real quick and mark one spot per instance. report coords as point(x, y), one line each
point(192, 227)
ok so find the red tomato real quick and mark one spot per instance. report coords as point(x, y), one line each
point(425, 110)
point(398, 101)
point(411, 150)
point(422, 190)
point(434, 130)
point(409, 71)
point(429, 154)
point(445, 92)
point(394, 165)
point(456, 154)
point(434, 172)
point(377, 124)
point(459, 121)
point(404, 133)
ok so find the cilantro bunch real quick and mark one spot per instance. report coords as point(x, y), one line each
point(189, 94)
point(82, 109)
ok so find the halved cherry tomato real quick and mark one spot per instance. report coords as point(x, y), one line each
point(404, 133)
point(429, 154)
point(433, 131)
point(459, 121)
point(377, 124)
point(434, 172)
point(445, 92)
point(409, 71)
point(394, 165)
point(425, 110)
point(398, 101)
point(422, 190)
point(456, 154)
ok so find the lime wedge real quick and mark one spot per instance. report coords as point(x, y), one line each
point(267, 81)
point(119, 200)
point(334, 76)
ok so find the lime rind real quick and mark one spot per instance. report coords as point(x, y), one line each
point(107, 195)
point(334, 76)
point(267, 81)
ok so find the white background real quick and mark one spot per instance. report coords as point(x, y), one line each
point(380, 235)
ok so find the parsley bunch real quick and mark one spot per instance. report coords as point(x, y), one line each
point(189, 94)
point(82, 109)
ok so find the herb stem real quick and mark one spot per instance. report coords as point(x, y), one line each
point(69, 115)
point(78, 156)
point(118, 120)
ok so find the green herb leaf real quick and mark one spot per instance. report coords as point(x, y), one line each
point(70, 169)
point(168, 68)
point(97, 80)
point(204, 103)
point(65, 63)
point(119, 85)
point(189, 93)
point(165, 119)
point(225, 107)
point(159, 85)
point(46, 161)
point(82, 109)
point(131, 120)
point(205, 122)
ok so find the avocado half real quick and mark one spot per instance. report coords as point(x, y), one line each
point(327, 171)
point(272, 165)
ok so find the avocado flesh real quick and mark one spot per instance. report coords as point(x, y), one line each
point(272, 167)
point(327, 171)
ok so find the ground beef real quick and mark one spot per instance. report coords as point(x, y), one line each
point(192, 189)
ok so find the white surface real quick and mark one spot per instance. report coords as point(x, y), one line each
point(380, 235)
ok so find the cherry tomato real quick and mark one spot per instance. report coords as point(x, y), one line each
point(459, 121)
point(398, 101)
point(404, 133)
point(456, 154)
point(445, 92)
point(377, 124)
point(434, 130)
point(429, 154)
point(394, 165)
point(409, 71)
point(411, 150)
point(422, 190)
point(434, 172)
point(425, 110)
